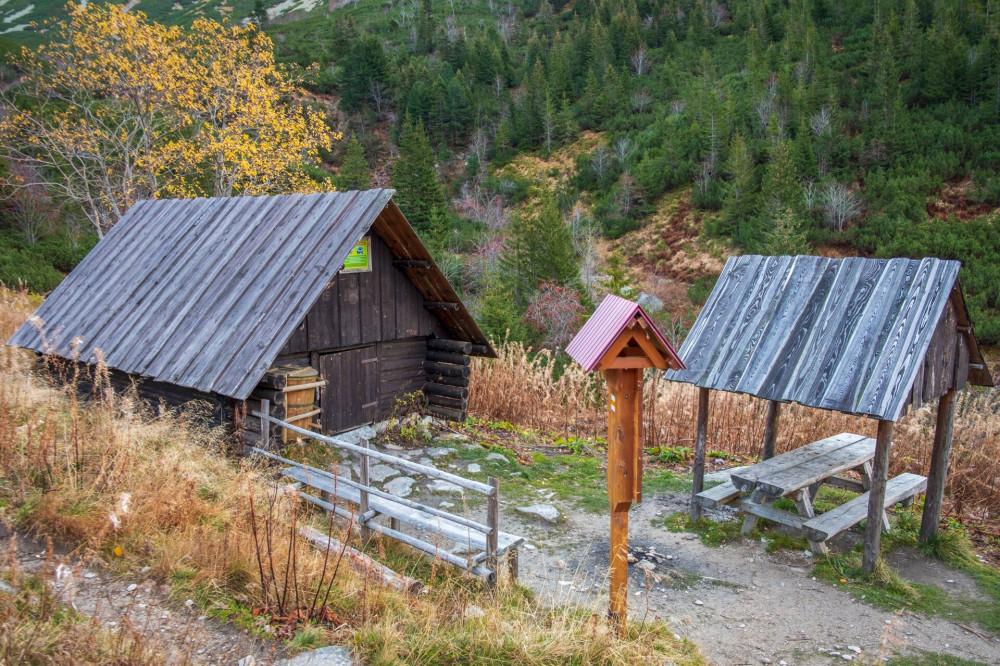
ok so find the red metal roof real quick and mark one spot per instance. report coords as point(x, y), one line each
point(612, 316)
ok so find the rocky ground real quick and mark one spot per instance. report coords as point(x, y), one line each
point(738, 603)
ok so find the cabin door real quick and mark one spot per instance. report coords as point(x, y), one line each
point(350, 397)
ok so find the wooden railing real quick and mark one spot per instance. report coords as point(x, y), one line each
point(476, 535)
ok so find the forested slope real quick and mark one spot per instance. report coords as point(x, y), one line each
point(764, 126)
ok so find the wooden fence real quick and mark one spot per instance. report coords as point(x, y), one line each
point(484, 542)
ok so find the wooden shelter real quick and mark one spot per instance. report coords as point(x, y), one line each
point(232, 300)
point(872, 337)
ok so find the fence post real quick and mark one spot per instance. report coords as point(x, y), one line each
point(363, 505)
point(493, 521)
point(265, 425)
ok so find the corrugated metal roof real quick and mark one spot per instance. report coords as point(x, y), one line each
point(204, 293)
point(842, 334)
point(604, 326)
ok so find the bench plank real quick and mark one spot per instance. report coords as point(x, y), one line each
point(833, 522)
point(808, 472)
point(768, 512)
point(716, 495)
point(746, 479)
point(419, 519)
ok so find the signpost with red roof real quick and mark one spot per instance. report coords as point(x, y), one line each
point(622, 341)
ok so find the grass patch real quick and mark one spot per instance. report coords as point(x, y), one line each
point(37, 628)
point(711, 533)
point(885, 588)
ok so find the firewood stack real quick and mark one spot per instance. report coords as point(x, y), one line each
point(446, 369)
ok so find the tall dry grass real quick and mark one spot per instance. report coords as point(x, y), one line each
point(518, 387)
point(127, 486)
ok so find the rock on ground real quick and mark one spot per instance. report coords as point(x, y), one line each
point(546, 512)
point(436, 452)
point(400, 487)
point(474, 468)
point(334, 655)
point(439, 486)
point(499, 457)
point(379, 473)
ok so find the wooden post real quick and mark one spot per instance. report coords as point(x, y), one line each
point(363, 503)
point(943, 432)
point(771, 428)
point(876, 497)
point(492, 539)
point(698, 472)
point(624, 463)
point(265, 425)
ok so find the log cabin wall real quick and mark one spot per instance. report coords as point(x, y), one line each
point(366, 335)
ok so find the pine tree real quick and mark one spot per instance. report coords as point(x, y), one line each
point(781, 189)
point(418, 192)
point(366, 65)
point(539, 249)
point(259, 14)
point(786, 236)
point(354, 172)
point(425, 27)
point(739, 202)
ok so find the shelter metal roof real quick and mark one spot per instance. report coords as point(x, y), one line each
point(603, 327)
point(842, 334)
point(203, 293)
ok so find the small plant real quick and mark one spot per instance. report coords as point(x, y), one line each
point(671, 455)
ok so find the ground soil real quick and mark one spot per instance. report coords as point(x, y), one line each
point(754, 605)
point(177, 630)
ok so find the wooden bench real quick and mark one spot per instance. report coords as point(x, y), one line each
point(798, 474)
point(828, 525)
point(473, 540)
point(724, 493)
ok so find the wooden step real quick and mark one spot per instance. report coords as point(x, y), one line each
point(723, 493)
point(828, 525)
point(430, 523)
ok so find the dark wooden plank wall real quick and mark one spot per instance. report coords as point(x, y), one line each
point(401, 371)
point(362, 308)
point(946, 364)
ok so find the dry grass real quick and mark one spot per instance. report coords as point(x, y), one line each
point(128, 487)
point(518, 387)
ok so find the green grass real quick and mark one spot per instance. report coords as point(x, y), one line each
point(711, 533)
point(885, 588)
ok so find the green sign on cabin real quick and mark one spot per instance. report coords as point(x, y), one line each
point(360, 257)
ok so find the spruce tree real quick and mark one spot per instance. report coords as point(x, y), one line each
point(538, 249)
point(354, 172)
point(418, 192)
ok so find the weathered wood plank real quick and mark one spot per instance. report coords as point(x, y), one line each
point(698, 471)
point(789, 479)
point(452, 346)
point(747, 478)
point(828, 525)
point(879, 476)
point(716, 495)
point(938, 474)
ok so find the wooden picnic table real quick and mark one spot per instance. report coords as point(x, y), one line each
point(799, 474)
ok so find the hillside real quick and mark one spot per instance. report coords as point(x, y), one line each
point(658, 135)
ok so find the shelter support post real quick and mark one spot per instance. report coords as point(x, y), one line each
point(939, 466)
point(624, 477)
point(876, 497)
point(698, 472)
point(771, 429)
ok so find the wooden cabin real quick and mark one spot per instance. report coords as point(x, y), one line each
point(326, 305)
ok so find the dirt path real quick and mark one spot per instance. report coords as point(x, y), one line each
point(178, 630)
point(740, 604)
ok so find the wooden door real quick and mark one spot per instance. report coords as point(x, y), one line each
point(350, 397)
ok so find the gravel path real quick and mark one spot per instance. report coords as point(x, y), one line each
point(740, 604)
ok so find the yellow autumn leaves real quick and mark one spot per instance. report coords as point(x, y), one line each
point(118, 108)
